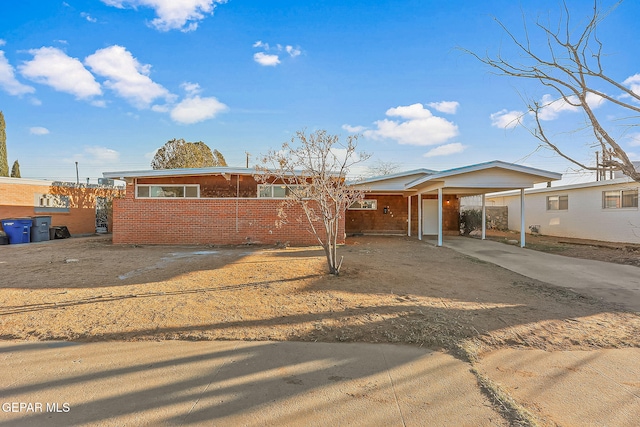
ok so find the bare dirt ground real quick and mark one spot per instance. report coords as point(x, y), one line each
point(392, 289)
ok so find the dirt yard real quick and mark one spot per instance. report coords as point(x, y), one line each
point(392, 289)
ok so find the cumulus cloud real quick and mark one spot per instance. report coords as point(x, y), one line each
point(353, 129)
point(416, 126)
point(53, 67)
point(445, 150)
point(552, 108)
point(183, 15)
point(8, 81)
point(272, 59)
point(505, 119)
point(196, 109)
point(88, 17)
point(38, 130)
point(96, 156)
point(634, 83)
point(126, 76)
point(265, 59)
point(448, 107)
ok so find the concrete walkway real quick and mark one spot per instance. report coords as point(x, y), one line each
point(230, 383)
point(616, 283)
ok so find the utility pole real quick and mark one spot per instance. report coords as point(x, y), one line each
point(77, 176)
point(248, 154)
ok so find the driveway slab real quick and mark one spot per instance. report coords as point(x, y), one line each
point(236, 383)
point(616, 283)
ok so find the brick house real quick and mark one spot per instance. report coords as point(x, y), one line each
point(226, 205)
point(221, 205)
point(72, 205)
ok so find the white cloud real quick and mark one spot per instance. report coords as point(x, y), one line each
point(38, 130)
point(3, 42)
point(445, 150)
point(191, 88)
point(195, 109)
point(266, 60)
point(293, 51)
point(88, 17)
point(417, 126)
point(260, 44)
point(551, 108)
point(504, 119)
point(53, 67)
point(181, 15)
point(126, 76)
point(96, 156)
point(448, 107)
point(353, 129)
point(634, 83)
point(8, 81)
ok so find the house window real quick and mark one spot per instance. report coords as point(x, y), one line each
point(167, 191)
point(557, 203)
point(278, 190)
point(619, 199)
point(49, 203)
point(364, 205)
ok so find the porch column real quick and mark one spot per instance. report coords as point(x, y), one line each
point(419, 216)
point(439, 216)
point(484, 218)
point(522, 233)
point(409, 216)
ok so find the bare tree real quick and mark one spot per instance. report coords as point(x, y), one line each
point(571, 66)
point(381, 167)
point(314, 169)
point(178, 153)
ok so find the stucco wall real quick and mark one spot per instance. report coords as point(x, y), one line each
point(585, 217)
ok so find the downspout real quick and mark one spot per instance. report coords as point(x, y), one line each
point(484, 217)
point(409, 216)
point(237, 200)
point(522, 233)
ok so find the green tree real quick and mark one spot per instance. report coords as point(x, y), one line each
point(4, 163)
point(15, 170)
point(178, 153)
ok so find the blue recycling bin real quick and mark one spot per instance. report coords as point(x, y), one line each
point(18, 229)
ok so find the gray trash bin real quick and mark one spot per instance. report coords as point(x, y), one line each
point(40, 228)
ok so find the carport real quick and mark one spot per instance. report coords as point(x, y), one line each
point(478, 179)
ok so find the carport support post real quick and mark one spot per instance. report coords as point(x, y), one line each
point(522, 218)
point(484, 217)
point(409, 216)
point(419, 216)
point(439, 216)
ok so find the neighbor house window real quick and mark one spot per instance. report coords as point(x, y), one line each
point(51, 203)
point(167, 191)
point(277, 190)
point(364, 205)
point(557, 203)
point(620, 199)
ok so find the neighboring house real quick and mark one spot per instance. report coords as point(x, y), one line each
point(603, 210)
point(226, 205)
point(219, 205)
point(69, 204)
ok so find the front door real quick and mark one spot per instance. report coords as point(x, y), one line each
point(430, 216)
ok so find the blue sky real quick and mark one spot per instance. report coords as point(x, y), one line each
point(107, 82)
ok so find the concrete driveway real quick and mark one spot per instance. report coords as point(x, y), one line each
point(616, 283)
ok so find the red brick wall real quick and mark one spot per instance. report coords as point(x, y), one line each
point(17, 199)
point(395, 222)
point(207, 221)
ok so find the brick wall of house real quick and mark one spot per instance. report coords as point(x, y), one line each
point(18, 195)
point(395, 220)
point(207, 221)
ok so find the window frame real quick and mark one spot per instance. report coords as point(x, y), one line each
point(559, 200)
point(619, 199)
point(184, 191)
point(271, 187)
point(374, 205)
